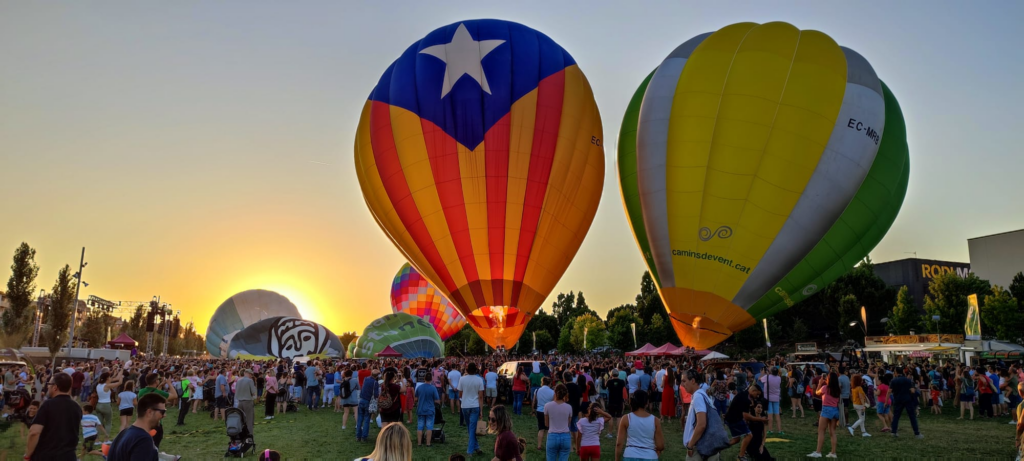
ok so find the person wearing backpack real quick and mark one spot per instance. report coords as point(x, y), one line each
point(368, 393)
point(349, 395)
point(704, 434)
point(185, 389)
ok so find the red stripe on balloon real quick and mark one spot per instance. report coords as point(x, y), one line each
point(550, 93)
point(389, 168)
point(496, 166)
point(443, 153)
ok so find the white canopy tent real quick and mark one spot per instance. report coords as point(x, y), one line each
point(714, 355)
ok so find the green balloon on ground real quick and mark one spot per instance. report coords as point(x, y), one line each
point(407, 334)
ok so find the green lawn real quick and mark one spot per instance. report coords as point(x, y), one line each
point(318, 435)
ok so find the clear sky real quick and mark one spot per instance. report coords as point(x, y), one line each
point(198, 149)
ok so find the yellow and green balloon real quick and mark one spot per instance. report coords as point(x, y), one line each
point(757, 164)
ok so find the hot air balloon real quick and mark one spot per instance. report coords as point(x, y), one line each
point(240, 311)
point(412, 336)
point(284, 337)
point(757, 164)
point(479, 155)
point(413, 294)
point(350, 351)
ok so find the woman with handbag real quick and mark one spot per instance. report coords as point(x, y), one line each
point(966, 393)
point(704, 433)
point(389, 403)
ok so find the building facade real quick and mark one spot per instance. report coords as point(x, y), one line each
point(997, 258)
point(916, 274)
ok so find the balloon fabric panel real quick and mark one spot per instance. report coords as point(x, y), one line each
point(488, 180)
point(413, 294)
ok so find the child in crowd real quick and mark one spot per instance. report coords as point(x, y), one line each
point(91, 426)
point(26, 420)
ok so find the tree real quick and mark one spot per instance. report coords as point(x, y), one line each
point(947, 298)
point(136, 325)
point(347, 338)
point(651, 310)
point(63, 301)
point(21, 287)
point(93, 329)
point(797, 331)
point(544, 342)
point(620, 330)
point(904, 315)
point(542, 321)
point(659, 332)
point(565, 339)
point(849, 311)
point(596, 335)
point(1002, 315)
point(1016, 288)
point(563, 308)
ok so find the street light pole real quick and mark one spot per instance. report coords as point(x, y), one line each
point(39, 318)
point(74, 311)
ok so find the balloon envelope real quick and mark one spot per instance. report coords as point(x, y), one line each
point(240, 311)
point(284, 337)
point(408, 334)
point(479, 155)
point(413, 294)
point(757, 164)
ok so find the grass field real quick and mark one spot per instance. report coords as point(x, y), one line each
point(318, 435)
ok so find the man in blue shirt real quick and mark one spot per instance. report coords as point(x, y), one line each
point(221, 394)
point(369, 391)
point(643, 382)
point(426, 398)
point(312, 387)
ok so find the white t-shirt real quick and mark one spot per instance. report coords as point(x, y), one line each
point(591, 431)
point(544, 395)
point(69, 370)
point(633, 381)
point(659, 379)
point(453, 378)
point(492, 380)
point(126, 400)
point(471, 386)
point(697, 405)
point(102, 394)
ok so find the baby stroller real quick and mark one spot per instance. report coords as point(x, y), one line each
point(438, 434)
point(18, 400)
point(240, 437)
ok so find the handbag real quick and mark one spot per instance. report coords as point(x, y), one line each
point(384, 401)
point(715, 438)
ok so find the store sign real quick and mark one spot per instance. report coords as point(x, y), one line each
point(922, 354)
point(807, 347)
point(934, 270)
point(913, 339)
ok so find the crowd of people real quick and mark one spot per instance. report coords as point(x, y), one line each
point(576, 401)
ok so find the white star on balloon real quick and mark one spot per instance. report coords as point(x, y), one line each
point(463, 56)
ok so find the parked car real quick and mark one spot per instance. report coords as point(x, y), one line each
point(819, 365)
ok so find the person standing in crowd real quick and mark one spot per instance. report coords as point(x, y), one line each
point(53, 435)
point(668, 393)
point(491, 388)
point(520, 383)
point(507, 447)
point(830, 392)
point(126, 401)
point(188, 387)
point(393, 443)
point(328, 395)
point(575, 393)
point(77, 379)
point(221, 394)
point(1019, 416)
point(348, 392)
point(245, 394)
point(426, 398)
point(860, 404)
point(454, 376)
point(312, 375)
point(543, 395)
point(270, 389)
point(591, 423)
point(393, 390)
point(985, 392)
point(904, 397)
point(845, 403)
point(795, 390)
point(772, 385)
point(107, 384)
point(135, 443)
point(557, 414)
point(967, 393)
point(471, 394)
point(697, 417)
point(535, 382)
point(616, 399)
point(369, 390)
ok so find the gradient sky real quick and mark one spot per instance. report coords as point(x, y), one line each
point(198, 149)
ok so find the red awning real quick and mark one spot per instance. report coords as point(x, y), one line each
point(388, 352)
point(646, 350)
point(667, 349)
point(122, 340)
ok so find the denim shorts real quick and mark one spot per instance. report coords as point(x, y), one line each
point(739, 428)
point(452, 395)
point(572, 424)
point(830, 412)
point(425, 422)
point(773, 408)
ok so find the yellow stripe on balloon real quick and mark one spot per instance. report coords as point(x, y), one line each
point(520, 148)
point(472, 167)
point(377, 197)
point(412, 154)
point(576, 170)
